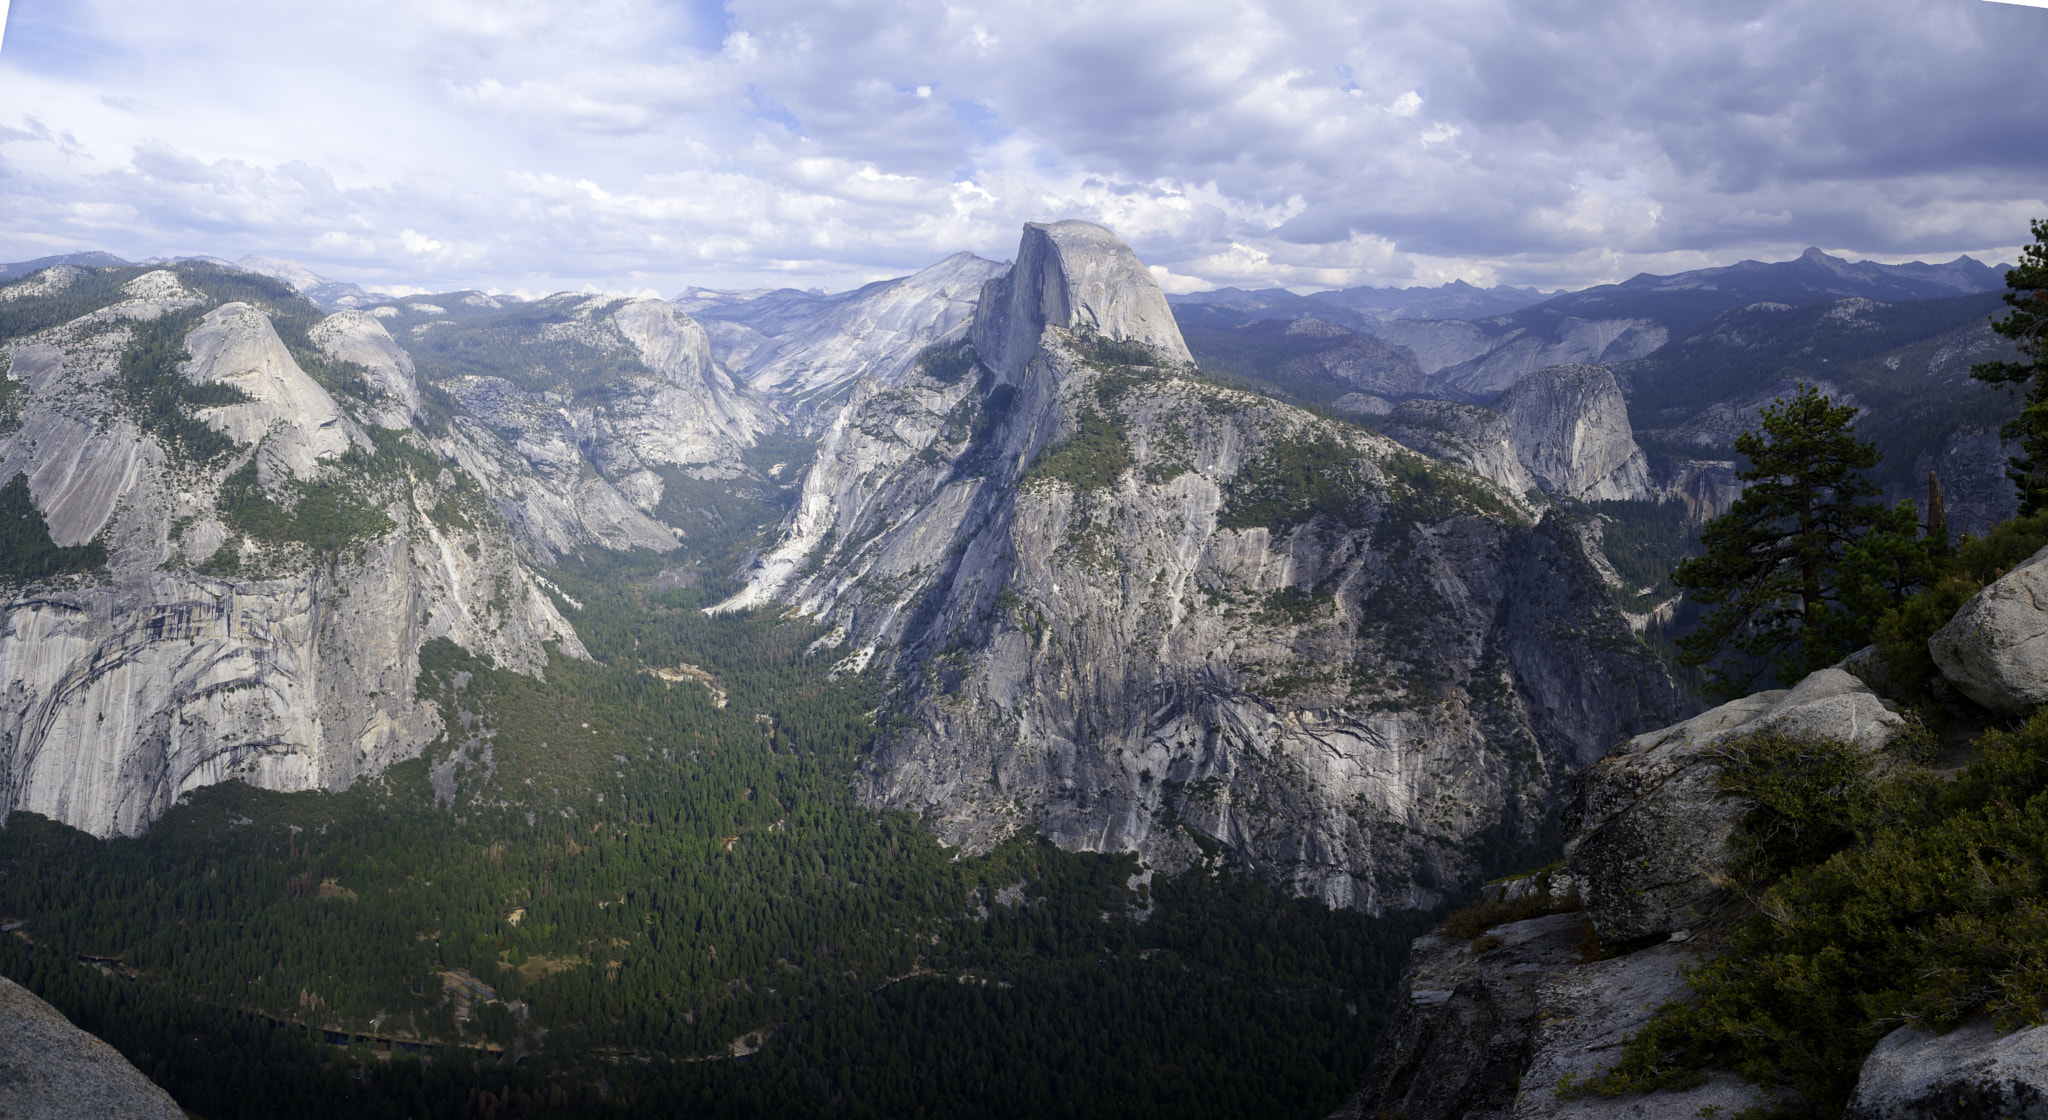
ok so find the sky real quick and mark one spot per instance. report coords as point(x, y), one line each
point(645, 146)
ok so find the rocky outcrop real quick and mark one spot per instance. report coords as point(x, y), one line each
point(567, 471)
point(292, 421)
point(1706, 487)
point(1473, 437)
point(689, 414)
point(1072, 275)
point(1571, 432)
point(1975, 490)
point(353, 336)
point(1647, 835)
point(1487, 1030)
point(1438, 343)
point(1562, 431)
point(202, 652)
point(1121, 623)
point(51, 1070)
point(1343, 358)
point(1521, 351)
point(1995, 649)
point(875, 332)
point(1968, 1073)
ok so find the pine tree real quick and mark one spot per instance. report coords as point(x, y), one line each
point(2027, 325)
point(1790, 565)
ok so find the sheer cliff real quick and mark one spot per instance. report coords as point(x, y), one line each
point(271, 551)
point(1137, 611)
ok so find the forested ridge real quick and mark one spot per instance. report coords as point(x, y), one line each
point(600, 887)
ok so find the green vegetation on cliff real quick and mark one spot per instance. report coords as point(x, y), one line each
point(1905, 897)
point(626, 878)
point(26, 551)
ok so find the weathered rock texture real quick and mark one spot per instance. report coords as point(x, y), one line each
point(200, 653)
point(1338, 356)
point(1125, 618)
point(352, 336)
point(1970, 1073)
point(291, 420)
point(1647, 835)
point(567, 473)
point(1076, 275)
point(51, 1070)
point(1519, 351)
point(1995, 649)
point(1489, 1035)
point(874, 332)
point(1571, 432)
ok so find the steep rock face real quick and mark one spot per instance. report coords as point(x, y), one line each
point(288, 415)
point(876, 332)
point(529, 451)
point(1646, 837)
point(203, 653)
point(352, 336)
point(690, 414)
point(1139, 612)
point(1975, 490)
point(1438, 343)
point(1071, 274)
point(1707, 487)
point(567, 471)
point(1571, 431)
point(1490, 1034)
point(1473, 437)
point(1995, 649)
point(1970, 1072)
point(1513, 355)
point(51, 1070)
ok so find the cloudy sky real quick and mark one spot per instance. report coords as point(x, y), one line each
point(535, 145)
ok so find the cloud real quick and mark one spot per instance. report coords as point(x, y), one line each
point(633, 144)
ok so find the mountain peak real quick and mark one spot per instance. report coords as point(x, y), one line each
point(1071, 274)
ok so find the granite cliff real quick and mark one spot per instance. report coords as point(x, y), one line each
point(273, 559)
point(1136, 611)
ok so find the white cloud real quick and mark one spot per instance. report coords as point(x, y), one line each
point(617, 143)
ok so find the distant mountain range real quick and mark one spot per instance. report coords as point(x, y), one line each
point(1678, 302)
point(329, 295)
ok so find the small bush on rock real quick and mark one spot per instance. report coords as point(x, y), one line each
point(1907, 899)
point(1902, 633)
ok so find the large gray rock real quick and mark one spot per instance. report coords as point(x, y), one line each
point(121, 690)
point(51, 1070)
point(352, 336)
point(569, 473)
point(1970, 1073)
point(1570, 430)
point(1473, 437)
point(1584, 1015)
point(1344, 701)
point(1490, 1035)
point(288, 415)
point(875, 332)
point(1570, 341)
point(1071, 274)
point(1995, 650)
point(1647, 836)
point(1464, 1024)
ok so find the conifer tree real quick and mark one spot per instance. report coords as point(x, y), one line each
point(2027, 325)
point(1782, 566)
